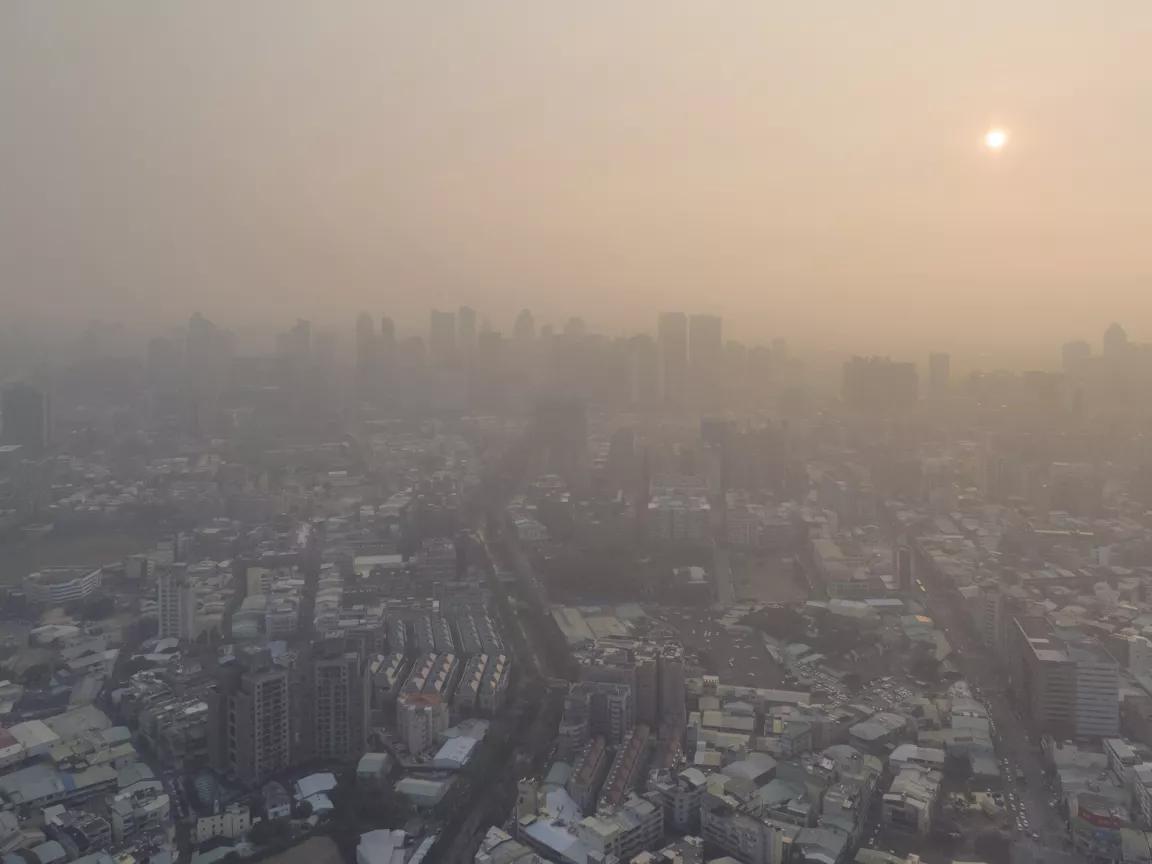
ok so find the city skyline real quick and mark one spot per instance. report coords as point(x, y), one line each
point(536, 156)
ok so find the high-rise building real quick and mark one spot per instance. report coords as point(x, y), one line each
point(208, 353)
point(163, 362)
point(487, 371)
point(421, 719)
point(1069, 690)
point(879, 384)
point(706, 360)
point(1074, 355)
point(596, 708)
point(250, 724)
point(672, 337)
point(560, 429)
point(25, 417)
point(643, 372)
point(176, 603)
point(296, 343)
point(939, 373)
point(339, 703)
point(442, 338)
point(1115, 342)
point(466, 329)
point(905, 564)
point(1097, 692)
point(367, 358)
point(672, 699)
point(705, 341)
point(524, 330)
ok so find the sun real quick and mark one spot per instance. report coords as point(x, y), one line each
point(995, 139)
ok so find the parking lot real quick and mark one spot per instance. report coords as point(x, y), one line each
point(734, 653)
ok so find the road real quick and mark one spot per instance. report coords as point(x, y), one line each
point(1031, 802)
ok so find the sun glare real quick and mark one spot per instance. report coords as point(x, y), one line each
point(995, 139)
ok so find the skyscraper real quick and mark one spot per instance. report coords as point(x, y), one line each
point(442, 338)
point(207, 353)
point(705, 341)
point(705, 357)
point(1074, 355)
point(643, 372)
point(466, 330)
point(250, 734)
point(672, 337)
point(367, 357)
point(176, 603)
point(25, 417)
point(339, 703)
point(1115, 342)
point(939, 373)
point(878, 384)
point(524, 330)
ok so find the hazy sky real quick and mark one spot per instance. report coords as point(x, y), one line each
point(810, 169)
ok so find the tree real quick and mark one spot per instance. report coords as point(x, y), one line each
point(302, 810)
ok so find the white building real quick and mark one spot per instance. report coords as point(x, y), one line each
point(233, 822)
point(421, 720)
point(624, 832)
point(55, 586)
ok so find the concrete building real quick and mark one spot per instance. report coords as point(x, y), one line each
point(939, 373)
point(250, 727)
point(55, 586)
point(339, 705)
point(623, 832)
point(681, 795)
point(1068, 690)
point(1139, 655)
point(735, 831)
point(421, 720)
point(1097, 692)
point(25, 417)
point(143, 806)
point(910, 801)
point(232, 822)
point(176, 603)
point(672, 341)
point(498, 847)
point(595, 708)
point(588, 773)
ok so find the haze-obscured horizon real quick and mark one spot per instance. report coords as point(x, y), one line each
point(808, 172)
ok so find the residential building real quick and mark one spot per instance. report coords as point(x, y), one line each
point(339, 704)
point(421, 720)
point(250, 725)
point(176, 603)
point(910, 801)
point(232, 822)
point(623, 832)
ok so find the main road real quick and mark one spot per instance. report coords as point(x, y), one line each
point(1029, 797)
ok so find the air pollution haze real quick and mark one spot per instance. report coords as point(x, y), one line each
point(542, 432)
point(811, 170)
